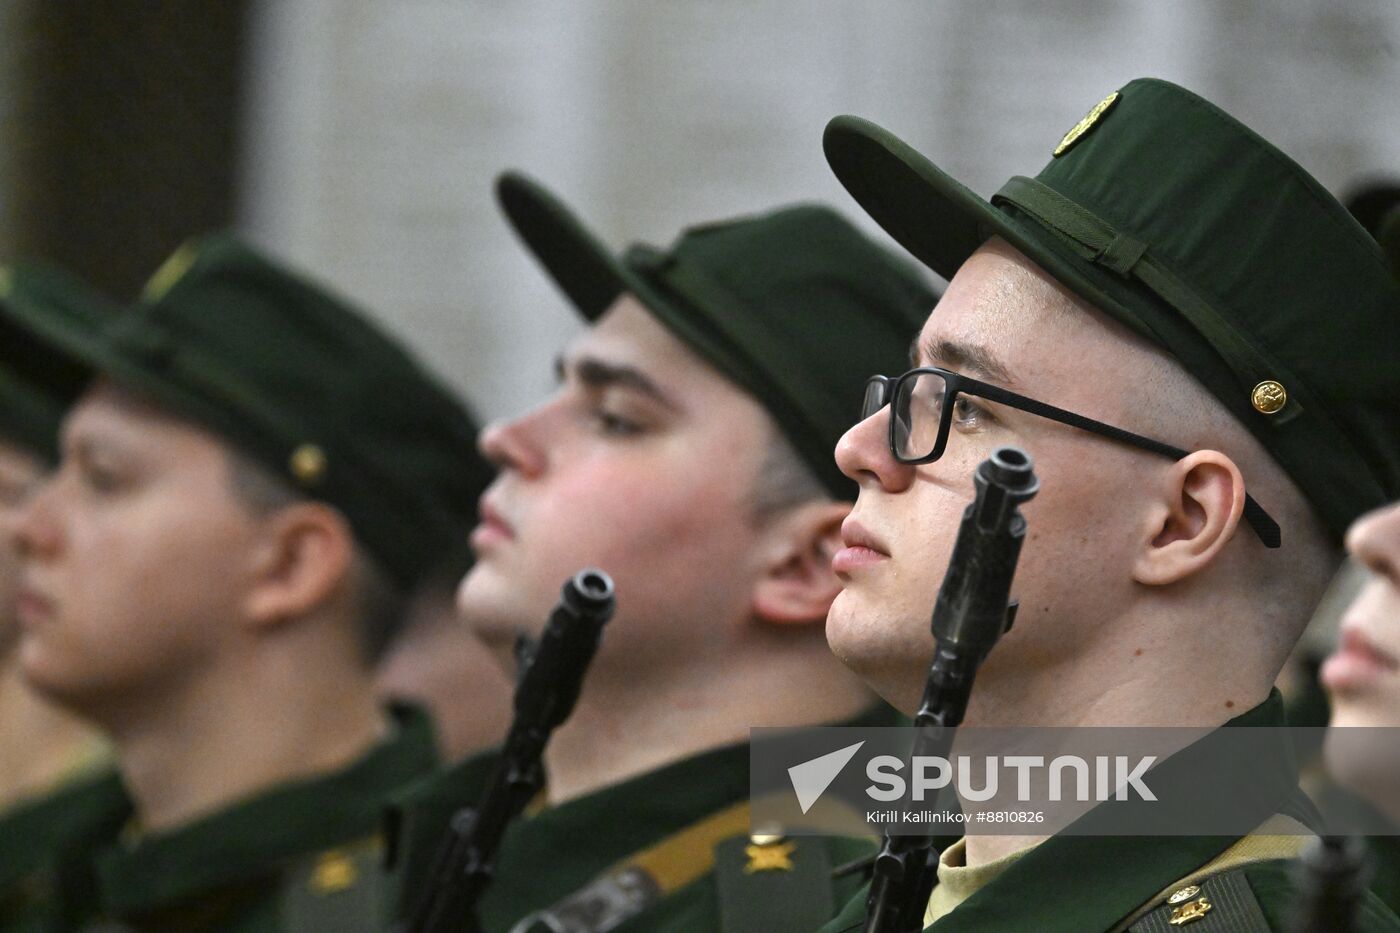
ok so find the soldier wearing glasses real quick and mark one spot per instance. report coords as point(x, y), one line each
point(1186, 332)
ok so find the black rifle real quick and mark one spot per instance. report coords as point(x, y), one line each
point(972, 612)
point(551, 674)
point(1332, 874)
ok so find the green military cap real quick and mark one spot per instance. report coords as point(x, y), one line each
point(1177, 220)
point(795, 306)
point(31, 404)
point(295, 378)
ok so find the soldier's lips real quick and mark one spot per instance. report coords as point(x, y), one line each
point(850, 559)
point(862, 548)
point(493, 529)
point(490, 534)
point(1356, 664)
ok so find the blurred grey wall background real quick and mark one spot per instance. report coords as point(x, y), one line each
point(368, 131)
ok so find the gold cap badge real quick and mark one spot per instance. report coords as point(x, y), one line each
point(1268, 397)
point(1086, 124)
point(170, 272)
point(308, 464)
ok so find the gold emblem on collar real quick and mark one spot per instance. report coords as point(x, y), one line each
point(1185, 894)
point(334, 872)
point(1190, 912)
point(1268, 397)
point(1086, 124)
point(768, 853)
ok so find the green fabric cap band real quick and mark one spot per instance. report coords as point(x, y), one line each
point(1096, 241)
point(796, 306)
point(297, 379)
point(1175, 219)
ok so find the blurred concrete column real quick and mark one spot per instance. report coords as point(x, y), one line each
point(120, 126)
point(375, 129)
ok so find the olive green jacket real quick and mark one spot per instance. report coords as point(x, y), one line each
point(675, 838)
point(44, 845)
point(299, 857)
point(1093, 883)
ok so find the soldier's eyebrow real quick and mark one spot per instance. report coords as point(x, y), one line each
point(968, 358)
point(594, 373)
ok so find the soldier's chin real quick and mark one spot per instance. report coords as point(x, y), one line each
point(77, 691)
point(856, 638)
point(498, 609)
point(1364, 757)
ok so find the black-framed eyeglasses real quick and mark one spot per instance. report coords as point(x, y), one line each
point(923, 402)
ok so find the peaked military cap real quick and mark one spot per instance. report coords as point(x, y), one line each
point(32, 401)
point(1180, 222)
point(796, 306)
point(298, 380)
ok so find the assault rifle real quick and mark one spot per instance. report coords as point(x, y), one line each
point(972, 612)
point(551, 675)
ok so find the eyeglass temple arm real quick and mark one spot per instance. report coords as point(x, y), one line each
point(1263, 524)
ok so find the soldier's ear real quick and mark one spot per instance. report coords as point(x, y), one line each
point(796, 585)
point(1195, 513)
point(300, 562)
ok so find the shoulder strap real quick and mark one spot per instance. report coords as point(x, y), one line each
point(641, 879)
point(773, 883)
point(338, 890)
point(1220, 904)
point(1279, 837)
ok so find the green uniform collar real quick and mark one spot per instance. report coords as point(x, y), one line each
point(556, 852)
point(560, 849)
point(43, 839)
point(260, 836)
point(1125, 873)
point(417, 818)
point(35, 828)
point(1072, 883)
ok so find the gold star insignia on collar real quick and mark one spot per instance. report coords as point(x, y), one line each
point(1190, 912)
point(334, 872)
point(769, 856)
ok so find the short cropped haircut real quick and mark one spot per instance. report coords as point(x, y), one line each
point(381, 605)
point(784, 480)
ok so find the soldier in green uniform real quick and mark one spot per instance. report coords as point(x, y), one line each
point(686, 452)
point(1173, 275)
point(55, 774)
point(251, 475)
